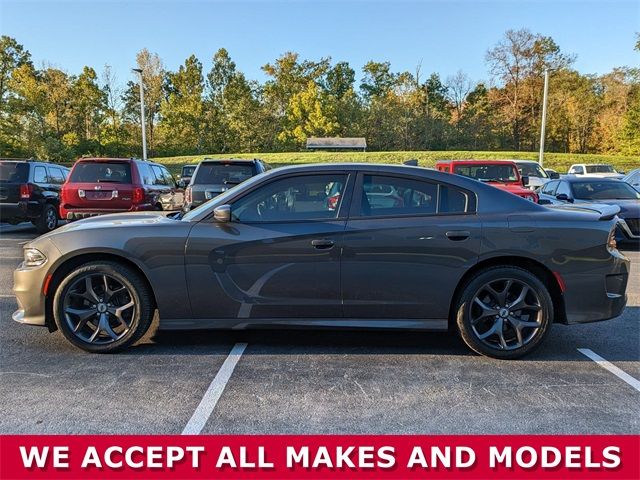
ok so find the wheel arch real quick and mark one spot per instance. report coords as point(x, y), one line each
point(545, 275)
point(68, 264)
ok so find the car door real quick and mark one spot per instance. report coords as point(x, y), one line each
point(278, 258)
point(161, 187)
point(177, 194)
point(407, 243)
point(56, 179)
point(43, 190)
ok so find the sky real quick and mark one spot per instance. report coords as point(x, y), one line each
point(442, 36)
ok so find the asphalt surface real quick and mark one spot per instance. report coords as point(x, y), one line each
point(315, 381)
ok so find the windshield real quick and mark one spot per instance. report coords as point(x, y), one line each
point(488, 173)
point(14, 172)
point(604, 191)
point(101, 172)
point(532, 170)
point(188, 171)
point(223, 173)
point(600, 169)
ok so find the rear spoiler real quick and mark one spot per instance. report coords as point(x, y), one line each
point(607, 212)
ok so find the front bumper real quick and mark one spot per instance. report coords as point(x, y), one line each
point(597, 295)
point(628, 231)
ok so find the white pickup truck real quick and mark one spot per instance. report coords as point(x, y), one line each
point(594, 170)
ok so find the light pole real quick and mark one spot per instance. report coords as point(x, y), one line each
point(544, 116)
point(142, 117)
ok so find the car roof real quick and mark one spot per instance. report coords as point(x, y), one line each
point(478, 160)
point(227, 160)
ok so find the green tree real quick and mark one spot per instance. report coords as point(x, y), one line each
point(12, 56)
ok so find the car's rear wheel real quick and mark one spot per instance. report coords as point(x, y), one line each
point(504, 312)
point(48, 220)
point(103, 307)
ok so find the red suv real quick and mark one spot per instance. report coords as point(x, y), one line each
point(501, 174)
point(97, 186)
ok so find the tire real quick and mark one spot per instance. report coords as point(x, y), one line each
point(103, 309)
point(48, 219)
point(487, 321)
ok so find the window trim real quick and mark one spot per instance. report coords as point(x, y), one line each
point(342, 211)
point(356, 204)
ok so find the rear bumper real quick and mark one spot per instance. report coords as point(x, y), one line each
point(23, 210)
point(71, 214)
point(601, 295)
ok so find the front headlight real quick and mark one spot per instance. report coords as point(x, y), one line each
point(33, 257)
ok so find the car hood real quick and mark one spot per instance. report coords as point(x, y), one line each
point(116, 220)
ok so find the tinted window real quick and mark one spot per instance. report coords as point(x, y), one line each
point(223, 173)
point(595, 190)
point(305, 197)
point(146, 175)
point(14, 172)
point(577, 170)
point(397, 196)
point(56, 175)
point(188, 170)
point(600, 169)
point(488, 173)
point(565, 188)
point(404, 196)
point(168, 177)
point(39, 175)
point(160, 180)
point(532, 170)
point(101, 172)
point(549, 188)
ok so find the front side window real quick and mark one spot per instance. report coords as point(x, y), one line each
point(382, 196)
point(577, 170)
point(160, 180)
point(564, 188)
point(168, 177)
point(305, 197)
point(549, 188)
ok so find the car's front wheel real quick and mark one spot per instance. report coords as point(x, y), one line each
point(504, 312)
point(103, 307)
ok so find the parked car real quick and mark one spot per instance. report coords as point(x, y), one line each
point(502, 174)
point(601, 170)
point(30, 192)
point(214, 176)
point(583, 190)
point(553, 174)
point(633, 178)
point(97, 186)
point(532, 170)
point(185, 175)
point(274, 251)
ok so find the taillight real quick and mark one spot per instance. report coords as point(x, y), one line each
point(612, 245)
point(187, 195)
point(332, 202)
point(26, 189)
point(138, 195)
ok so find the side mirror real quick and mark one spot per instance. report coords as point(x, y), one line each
point(563, 197)
point(554, 175)
point(222, 213)
point(181, 183)
point(544, 201)
point(525, 181)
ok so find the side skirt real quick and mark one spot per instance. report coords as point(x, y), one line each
point(437, 325)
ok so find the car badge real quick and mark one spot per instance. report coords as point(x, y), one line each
point(97, 187)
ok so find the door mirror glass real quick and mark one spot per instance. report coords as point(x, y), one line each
point(222, 213)
point(563, 197)
point(554, 175)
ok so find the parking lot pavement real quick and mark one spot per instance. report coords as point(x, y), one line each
point(314, 382)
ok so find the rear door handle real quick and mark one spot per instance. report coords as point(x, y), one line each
point(323, 244)
point(457, 235)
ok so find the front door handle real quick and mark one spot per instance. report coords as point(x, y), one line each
point(457, 235)
point(323, 244)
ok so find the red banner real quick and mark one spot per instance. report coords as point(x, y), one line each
point(319, 456)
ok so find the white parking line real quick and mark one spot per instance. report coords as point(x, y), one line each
point(213, 393)
point(7, 296)
point(621, 374)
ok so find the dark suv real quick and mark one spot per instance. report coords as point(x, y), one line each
point(108, 185)
point(212, 177)
point(30, 192)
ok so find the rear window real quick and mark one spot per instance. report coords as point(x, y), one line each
point(101, 172)
point(223, 173)
point(14, 172)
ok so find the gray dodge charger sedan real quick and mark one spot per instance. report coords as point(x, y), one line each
point(342, 245)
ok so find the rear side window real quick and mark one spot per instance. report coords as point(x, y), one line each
point(14, 172)
point(101, 172)
point(39, 175)
point(160, 178)
point(223, 173)
point(56, 175)
point(146, 174)
point(382, 196)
